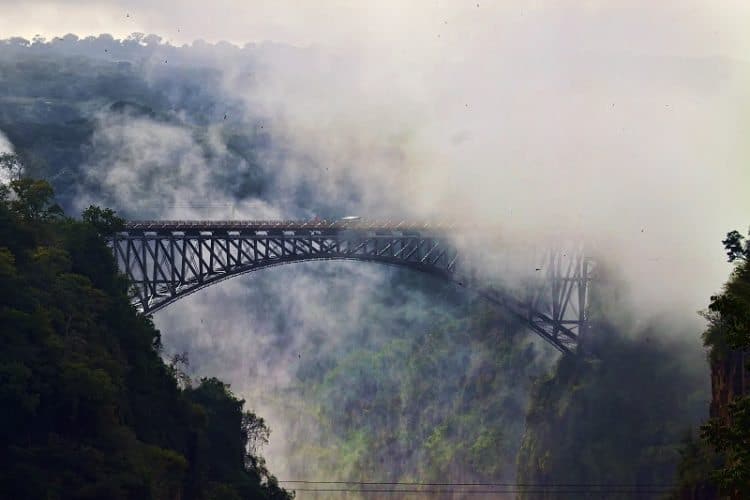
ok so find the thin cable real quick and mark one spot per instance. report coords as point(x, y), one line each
point(480, 492)
point(538, 485)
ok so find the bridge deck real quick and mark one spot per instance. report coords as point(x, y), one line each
point(250, 226)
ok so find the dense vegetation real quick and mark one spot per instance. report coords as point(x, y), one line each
point(617, 417)
point(443, 404)
point(720, 460)
point(88, 409)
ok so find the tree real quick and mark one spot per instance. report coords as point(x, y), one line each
point(255, 432)
point(10, 167)
point(732, 439)
point(734, 248)
point(29, 199)
point(105, 220)
point(730, 310)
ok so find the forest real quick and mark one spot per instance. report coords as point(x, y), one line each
point(89, 407)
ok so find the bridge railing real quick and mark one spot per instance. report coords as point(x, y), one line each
point(260, 225)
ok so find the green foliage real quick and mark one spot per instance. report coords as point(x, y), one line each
point(697, 462)
point(734, 248)
point(442, 404)
point(105, 220)
point(731, 438)
point(729, 312)
point(87, 407)
point(32, 200)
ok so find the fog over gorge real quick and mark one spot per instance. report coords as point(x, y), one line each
point(621, 124)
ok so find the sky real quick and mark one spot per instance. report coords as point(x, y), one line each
point(693, 28)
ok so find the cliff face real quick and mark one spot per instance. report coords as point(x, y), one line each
point(700, 460)
point(729, 380)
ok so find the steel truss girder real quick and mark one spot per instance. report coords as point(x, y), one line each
point(167, 262)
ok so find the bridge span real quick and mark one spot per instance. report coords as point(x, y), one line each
point(167, 260)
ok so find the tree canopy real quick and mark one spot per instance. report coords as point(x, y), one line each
point(88, 409)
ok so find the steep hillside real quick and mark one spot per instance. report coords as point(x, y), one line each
point(89, 409)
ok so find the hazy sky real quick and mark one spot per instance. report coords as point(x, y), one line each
point(675, 28)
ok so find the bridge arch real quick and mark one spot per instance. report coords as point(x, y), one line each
point(168, 260)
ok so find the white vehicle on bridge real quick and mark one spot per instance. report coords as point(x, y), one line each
point(350, 218)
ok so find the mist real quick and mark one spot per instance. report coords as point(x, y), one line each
point(615, 125)
point(638, 154)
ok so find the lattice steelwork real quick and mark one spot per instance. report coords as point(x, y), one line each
point(167, 260)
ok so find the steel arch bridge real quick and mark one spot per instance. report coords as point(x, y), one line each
point(168, 260)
